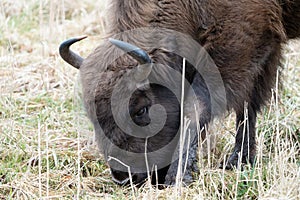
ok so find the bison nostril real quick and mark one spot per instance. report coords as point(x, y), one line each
point(123, 178)
point(139, 179)
point(119, 177)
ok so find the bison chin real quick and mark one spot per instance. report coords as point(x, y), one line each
point(123, 178)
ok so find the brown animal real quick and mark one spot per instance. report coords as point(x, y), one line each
point(126, 99)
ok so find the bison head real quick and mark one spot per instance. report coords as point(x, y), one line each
point(134, 101)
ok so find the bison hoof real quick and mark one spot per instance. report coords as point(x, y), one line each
point(235, 162)
point(170, 180)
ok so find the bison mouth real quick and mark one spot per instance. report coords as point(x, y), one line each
point(138, 179)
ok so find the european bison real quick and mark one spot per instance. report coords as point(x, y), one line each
point(229, 52)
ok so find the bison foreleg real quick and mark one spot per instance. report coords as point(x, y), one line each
point(181, 170)
point(244, 150)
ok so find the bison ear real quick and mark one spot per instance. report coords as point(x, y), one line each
point(68, 55)
point(146, 64)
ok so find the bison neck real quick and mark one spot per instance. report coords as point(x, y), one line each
point(176, 15)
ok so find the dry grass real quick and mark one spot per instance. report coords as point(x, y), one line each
point(45, 150)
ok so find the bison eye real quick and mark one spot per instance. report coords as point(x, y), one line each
point(141, 112)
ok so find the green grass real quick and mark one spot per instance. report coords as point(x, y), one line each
point(46, 148)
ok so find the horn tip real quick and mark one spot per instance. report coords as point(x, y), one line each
point(114, 41)
point(81, 37)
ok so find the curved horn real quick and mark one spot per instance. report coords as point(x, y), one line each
point(140, 55)
point(68, 55)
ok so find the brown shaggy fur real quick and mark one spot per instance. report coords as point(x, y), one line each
point(243, 37)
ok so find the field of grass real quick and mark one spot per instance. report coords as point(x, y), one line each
point(46, 150)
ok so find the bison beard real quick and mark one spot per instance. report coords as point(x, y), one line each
point(244, 39)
